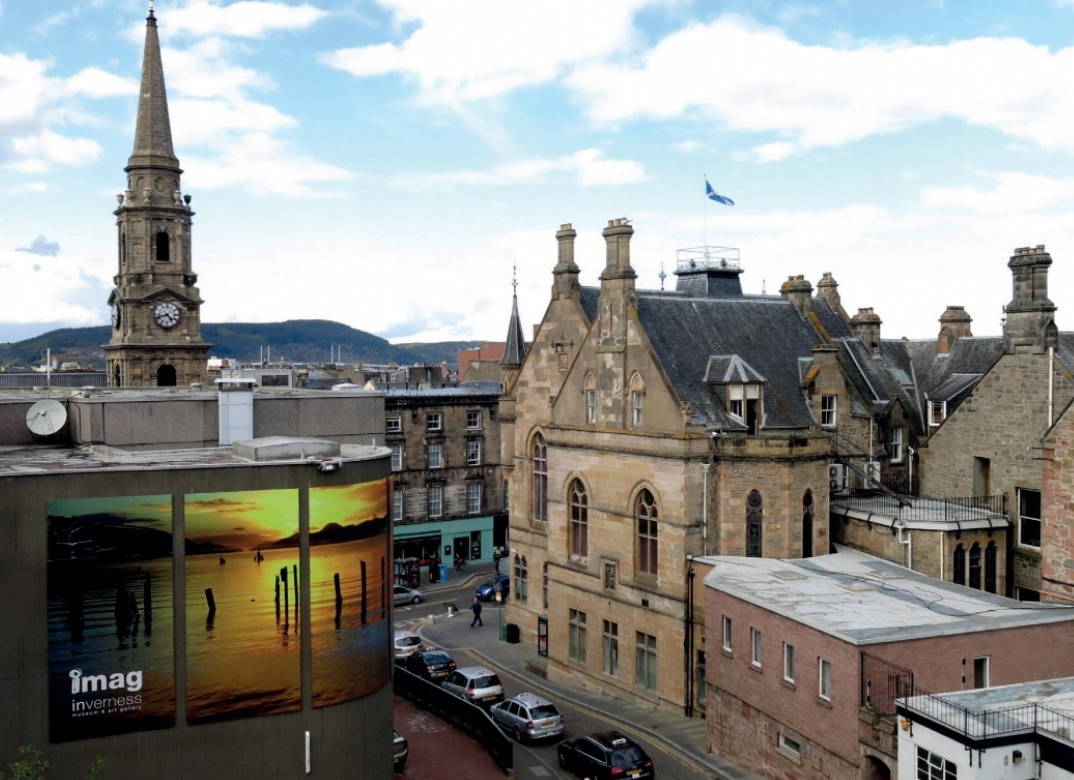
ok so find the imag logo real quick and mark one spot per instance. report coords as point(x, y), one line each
point(98, 683)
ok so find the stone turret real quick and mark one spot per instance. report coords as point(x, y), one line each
point(565, 274)
point(798, 291)
point(866, 326)
point(954, 324)
point(1030, 316)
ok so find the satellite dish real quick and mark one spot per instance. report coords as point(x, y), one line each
point(46, 418)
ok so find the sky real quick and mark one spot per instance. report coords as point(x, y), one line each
point(396, 164)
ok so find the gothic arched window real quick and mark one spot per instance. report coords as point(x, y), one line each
point(807, 524)
point(990, 568)
point(645, 515)
point(754, 526)
point(578, 529)
point(540, 478)
point(975, 566)
point(958, 560)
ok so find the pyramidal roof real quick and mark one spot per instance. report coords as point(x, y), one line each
point(153, 132)
point(514, 351)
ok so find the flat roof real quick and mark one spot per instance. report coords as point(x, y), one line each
point(866, 600)
point(39, 459)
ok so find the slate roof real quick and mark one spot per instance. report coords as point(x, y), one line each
point(878, 379)
point(766, 333)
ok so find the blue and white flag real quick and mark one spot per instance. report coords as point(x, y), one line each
point(713, 195)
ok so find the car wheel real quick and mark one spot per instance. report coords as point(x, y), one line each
point(416, 600)
point(516, 734)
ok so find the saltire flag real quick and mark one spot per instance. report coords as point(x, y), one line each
point(713, 195)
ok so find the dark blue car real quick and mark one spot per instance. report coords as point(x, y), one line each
point(487, 591)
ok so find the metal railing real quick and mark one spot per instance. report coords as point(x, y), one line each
point(924, 509)
point(882, 682)
point(978, 724)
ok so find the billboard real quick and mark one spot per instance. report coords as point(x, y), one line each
point(110, 616)
point(350, 618)
point(243, 602)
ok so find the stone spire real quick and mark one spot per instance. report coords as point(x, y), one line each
point(514, 351)
point(153, 133)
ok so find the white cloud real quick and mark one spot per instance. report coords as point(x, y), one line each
point(590, 167)
point(44, 147)
point(1012, 191)
point(246, 19)
point(97, 83)
point(688, 146)
point(473, 49)
point(816, 96)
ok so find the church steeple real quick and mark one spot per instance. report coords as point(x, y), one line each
point(156, 318)
point(514, 351)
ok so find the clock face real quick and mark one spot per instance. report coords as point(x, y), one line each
point(166, 314)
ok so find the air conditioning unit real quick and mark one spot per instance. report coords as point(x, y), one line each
point(837, 478)
point(872, 470)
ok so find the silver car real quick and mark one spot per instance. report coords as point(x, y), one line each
point(528, 716)
point(404, 595)
point(476, 684)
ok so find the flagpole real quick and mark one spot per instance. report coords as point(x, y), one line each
point(705, 233)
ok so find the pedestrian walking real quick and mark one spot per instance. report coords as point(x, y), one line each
point(458, 564)
point(476, 609)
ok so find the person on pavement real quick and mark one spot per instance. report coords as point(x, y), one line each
point(476, 609)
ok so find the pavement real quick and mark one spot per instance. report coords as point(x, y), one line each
point(684, 736)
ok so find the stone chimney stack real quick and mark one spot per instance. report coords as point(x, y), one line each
point(1030, 316)
point(798, 291)
point(617, 236)
point(565, 274)
point(954, 324)
point(866, 326)
point(828, 290)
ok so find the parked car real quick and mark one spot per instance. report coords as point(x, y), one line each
point(487, 590)
point(400, 751)
point(475, 684)
point(607, 755)
point(528, 716)
point(406, 643)
point(404, 595)
point(433, 665)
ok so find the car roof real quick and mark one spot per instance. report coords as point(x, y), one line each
point(530, 699)
point(404, 634)
point(472, 671)
point(609, 739)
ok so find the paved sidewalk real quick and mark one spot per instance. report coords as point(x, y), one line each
point(687, 736)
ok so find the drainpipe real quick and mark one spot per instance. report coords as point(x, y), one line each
point(688, 640)
point(900, 524)
point(911, 451)
point(942, 553)
point(1051, 383)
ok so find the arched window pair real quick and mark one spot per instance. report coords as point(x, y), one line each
point(959, 560)
point(646, 518)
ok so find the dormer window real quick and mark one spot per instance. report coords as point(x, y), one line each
point(744, 404)
point(937, 413)
point(741, 387)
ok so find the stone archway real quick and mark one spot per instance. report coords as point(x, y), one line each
point(166, 376)
point(872, 768)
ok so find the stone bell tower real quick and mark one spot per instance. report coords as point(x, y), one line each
point(156, 307)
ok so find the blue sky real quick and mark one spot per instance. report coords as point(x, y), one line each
point(388, 164)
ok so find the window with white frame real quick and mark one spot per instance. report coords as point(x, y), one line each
point(755, 644)
point(611, 648)
point(931, 766)
point(1029, 518)
point(521, 583)
point(397, 506)
point(435, 455)
point(395, 424)
point(397, 457)
point(591, 406)
point(824, 674)
point(789, 745)
point(897, 452)
point(828, 411)
point(436, 500)
point(474, 494)
point(735, 402)
point(473, 419)
point(788, 662)
point(577, 636)
point(982, 676)
point(473, 452)
point(645, 661)
point(937, 413)
point(726, 633)
point(636, 399)
point(434, 421)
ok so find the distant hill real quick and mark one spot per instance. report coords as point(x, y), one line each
point(294, 341)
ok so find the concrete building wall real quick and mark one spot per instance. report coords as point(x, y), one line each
point(349, 739)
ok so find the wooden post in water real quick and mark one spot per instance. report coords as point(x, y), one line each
point(294, 572)
point(286, 598)
point(277, 598)
point(364, 605)
point(209, 600)
point(339, 599)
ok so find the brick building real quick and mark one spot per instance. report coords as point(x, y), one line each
point(806, 658)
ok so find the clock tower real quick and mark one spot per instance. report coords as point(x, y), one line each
point(156, 307)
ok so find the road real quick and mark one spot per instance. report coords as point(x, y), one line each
point(532, 761)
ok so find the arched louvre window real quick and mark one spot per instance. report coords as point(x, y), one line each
point(958, 560)
point(754, 525)
point(579, 520)
point(975, 566)
point(163, 248)
point(990, 568)
point(645, 514)
point(540, 478)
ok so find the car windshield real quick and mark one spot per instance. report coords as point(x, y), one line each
point(486, 681)
point(407, 641)
point(436, 658)
point(627, 757)
point(544, 711)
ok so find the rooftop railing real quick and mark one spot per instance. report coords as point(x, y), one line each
point(924, 509)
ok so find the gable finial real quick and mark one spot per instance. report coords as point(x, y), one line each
point(514, 278)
